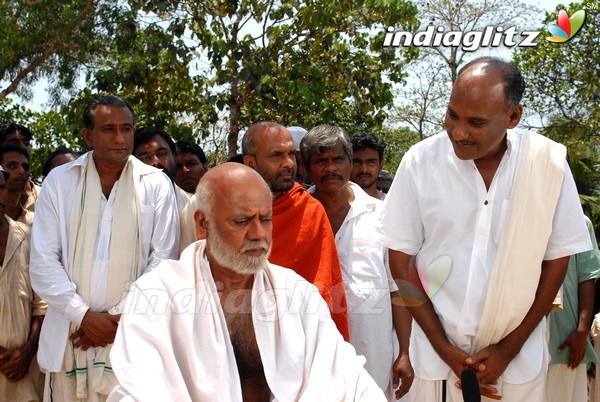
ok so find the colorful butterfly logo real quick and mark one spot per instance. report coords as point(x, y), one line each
point(565, 28)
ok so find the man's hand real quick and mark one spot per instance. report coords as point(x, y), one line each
point(15, 363)
point(576, 342)
point(402, 375)
point(490, 363)
point(97, 329)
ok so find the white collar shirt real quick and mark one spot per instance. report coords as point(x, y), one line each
point(439, 206)
point(368, 283)
point(50, 244)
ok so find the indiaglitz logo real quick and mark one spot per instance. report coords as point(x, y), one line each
point(491, 36)
point(566, 27)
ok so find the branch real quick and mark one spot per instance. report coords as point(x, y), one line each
point(50, 50)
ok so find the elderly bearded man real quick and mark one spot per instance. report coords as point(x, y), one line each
point(223, 324)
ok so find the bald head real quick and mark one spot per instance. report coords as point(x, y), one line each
point(234, 217)
point(498, 72)
point(269, 149)
point(260, 132)
point(222, 181)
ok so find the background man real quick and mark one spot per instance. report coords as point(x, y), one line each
point(103, 220)
point(191, 165)
point(16, 134)
point(21, 312)
point(242, 341)
point(15, 161)
point(384, 181)
point(302, 236)
point(502, 208)
point(570, 346)
point(367, 162)
point(56, 158)
point(327, 151)
point(154, 147)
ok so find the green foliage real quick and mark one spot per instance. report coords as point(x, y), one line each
point(562, 80)
point(287, 61)
point(50, 131)
point(397, 142)
point(54, 39)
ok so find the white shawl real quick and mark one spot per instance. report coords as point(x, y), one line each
point(173, 342)
point(528, 226)
point(124, 265)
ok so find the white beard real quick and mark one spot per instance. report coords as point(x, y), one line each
point(235, 260)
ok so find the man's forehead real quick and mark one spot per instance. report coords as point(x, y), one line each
point(366, 153)
point(14, 157)
point(187, 155)
point(112, 112)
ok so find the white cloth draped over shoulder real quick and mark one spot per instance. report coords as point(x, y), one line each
point(438, 205)
point(52, 241)
point(528, 226)
point(173, 342)
point(123, 266)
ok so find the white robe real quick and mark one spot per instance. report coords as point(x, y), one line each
point(173, 342)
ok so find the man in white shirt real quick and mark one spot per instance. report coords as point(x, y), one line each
point(487, 218)
point(223, 324)
point(352, 213)
point(104, 220)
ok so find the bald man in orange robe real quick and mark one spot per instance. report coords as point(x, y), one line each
point(302, 235)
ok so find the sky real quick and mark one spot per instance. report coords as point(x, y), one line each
point(40, 98)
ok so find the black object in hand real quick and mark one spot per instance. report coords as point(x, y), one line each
point(470, 385)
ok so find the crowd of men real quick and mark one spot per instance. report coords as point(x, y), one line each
point(301, 272)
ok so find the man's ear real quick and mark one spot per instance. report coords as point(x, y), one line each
point(515, 116)
point(87, 136)
point(201, 225)
point(250, 161)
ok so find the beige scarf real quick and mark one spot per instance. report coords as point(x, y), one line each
point(123, 269)
point(515, 276)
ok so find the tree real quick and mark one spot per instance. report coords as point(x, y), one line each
point(397, 142)
point(563, 93)
point(425, 99)
point(287, 60)
point(54, 39)
point(563, 78)
point(432, 74)
point(51, 130)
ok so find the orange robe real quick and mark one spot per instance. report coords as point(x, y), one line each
point(303, 241)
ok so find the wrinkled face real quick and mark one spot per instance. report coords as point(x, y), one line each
point(156, 152)
point(275, 159)
point(18, 139)
point(478, 115)
point(330, 170)
point(239, 230)
point(17, 167)
point(365, 167)
point(189, 171)
point(112, 135)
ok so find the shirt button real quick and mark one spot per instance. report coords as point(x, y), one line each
point(485, 202)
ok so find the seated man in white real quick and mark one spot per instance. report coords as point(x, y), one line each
point(223, 324)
